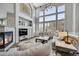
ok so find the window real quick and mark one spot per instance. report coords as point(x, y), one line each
point(61, 8)
point(61, 16)
point(41, 13)
point(50, 18)
point(41, 19)
point(40, 27)
point(52, 23)
point(60, 24)
point(50, 10)
point(46, 27)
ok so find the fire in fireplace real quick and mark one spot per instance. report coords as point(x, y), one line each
point(5, 39)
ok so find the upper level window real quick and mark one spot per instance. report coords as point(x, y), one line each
point(50, 10)
point(61, 16)
point(41, 13)
point(41, 19)
point(61, 8)
point(50, 18)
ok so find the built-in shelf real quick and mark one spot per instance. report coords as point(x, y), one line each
point(30, 23)
point(3, 22)
point(25, 22)
point(2, 25)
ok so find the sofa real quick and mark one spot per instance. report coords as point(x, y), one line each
point(29, 49)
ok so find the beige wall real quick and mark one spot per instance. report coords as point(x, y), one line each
point(72, 18)
point(77, 18)
point(69, 17)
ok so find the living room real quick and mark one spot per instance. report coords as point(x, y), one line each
point(39, 29)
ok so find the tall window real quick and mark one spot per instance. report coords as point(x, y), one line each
point(41, 19)
point(48, 18)
point(50, 10)
point(46, 26)
point(41, 13)
point(61, 17)
point(61, 8)
point(40, 27)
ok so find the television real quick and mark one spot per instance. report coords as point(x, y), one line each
point(5, 39)
point(23, 32)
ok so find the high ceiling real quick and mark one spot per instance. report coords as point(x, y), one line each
point(38, 4)
point(41, 4)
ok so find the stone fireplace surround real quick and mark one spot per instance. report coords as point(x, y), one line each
point(9, 29)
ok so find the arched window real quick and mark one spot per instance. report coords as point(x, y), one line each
point(61, 16)
point(50, 10)
point(61, 8)
point(50, 19)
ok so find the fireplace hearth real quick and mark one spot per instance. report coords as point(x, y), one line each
point(5, 39)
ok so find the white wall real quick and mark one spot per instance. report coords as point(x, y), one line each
point(23, 15)
point(10, 19)
point(9, 7)
point(72, 18)
point(7, 13)
point(3, 13)
point(77, 19)
point(69, 17)
point(33, 17)
point(16, 24)
point(36, 24)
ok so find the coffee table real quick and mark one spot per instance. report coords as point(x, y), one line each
point(43, 39)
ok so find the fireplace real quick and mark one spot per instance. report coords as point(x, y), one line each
point(5, 39)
